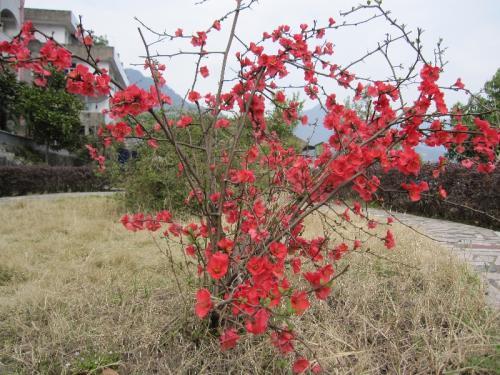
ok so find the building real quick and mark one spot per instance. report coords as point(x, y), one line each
point(11, 12)
point(312, 151)
point(62, 26)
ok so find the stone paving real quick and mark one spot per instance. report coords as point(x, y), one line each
point(480, 247)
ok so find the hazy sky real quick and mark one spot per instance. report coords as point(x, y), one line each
point(470, 29)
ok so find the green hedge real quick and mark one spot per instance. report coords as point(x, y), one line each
point(22, 180)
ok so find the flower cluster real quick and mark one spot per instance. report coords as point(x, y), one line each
point(81, 81)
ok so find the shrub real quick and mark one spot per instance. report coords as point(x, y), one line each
point(21, 180)
point(150, 180)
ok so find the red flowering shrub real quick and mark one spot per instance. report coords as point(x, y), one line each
point(256, 271)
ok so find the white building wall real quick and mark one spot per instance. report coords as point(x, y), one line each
point(13, 7)
point(59, 33)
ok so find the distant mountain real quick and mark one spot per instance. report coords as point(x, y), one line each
point(318, 134)
point(136, 77)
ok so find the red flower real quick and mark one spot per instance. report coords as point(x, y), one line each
point(88, 41)
point(229, 339)
point(203, 303)
point(139, 131)
point(216, 25)
point(278, 249)
point(102, 83)
point(164, 216)
point(319, 281)
point(258, 324)
point(194, 96)
point(486, 167)
point(178, 32)
point(217, 265)
point(257, 265)
point(175, 229)
point(408, 161)
point(190, 250)
point(296, 265)
point(415, 189)
point(184, 121)
point(199, 40)
point(119, 131)
point(459, 84)
point(283, 340)
point(300, 365)
point(243, 176)
point(389, 240)
point(300, 302)
point(80, 81)
point(153, 143)
point(443, 192)
point(59, 57)
point(226, 244)
point(222, 123)
point(280, 97)
point(204, 71)
point(259, 208)
point(467, 163)
point(131, 101)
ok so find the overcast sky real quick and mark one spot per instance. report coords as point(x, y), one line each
point(470, 30)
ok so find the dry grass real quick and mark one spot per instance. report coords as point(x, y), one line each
point(79, 294)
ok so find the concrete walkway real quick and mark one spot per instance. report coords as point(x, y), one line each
point(480, 247)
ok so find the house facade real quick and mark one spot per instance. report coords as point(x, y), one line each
point(11, 13)
point(312, 151)
point(61, 25)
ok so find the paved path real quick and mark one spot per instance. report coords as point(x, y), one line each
point(479, 247)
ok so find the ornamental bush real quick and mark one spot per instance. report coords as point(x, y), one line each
point(254, 270)
point(150, 180)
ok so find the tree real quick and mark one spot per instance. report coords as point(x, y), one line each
point(10, 90)
point(280, 123)
point(254, 270)
point(101, 40)
point(52, 115)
